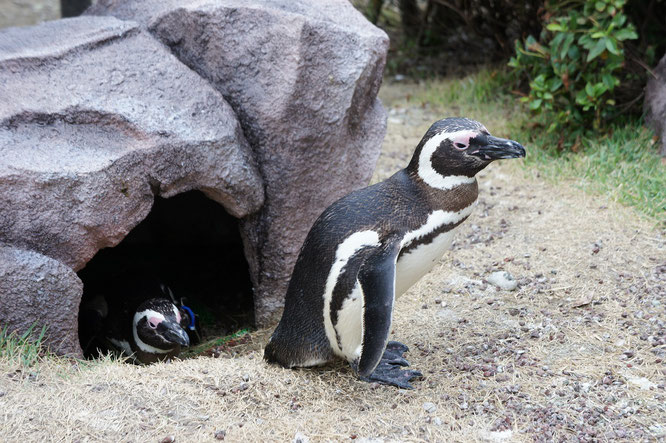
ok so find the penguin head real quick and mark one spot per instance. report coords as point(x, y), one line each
point(460, 147)
point(157, 326)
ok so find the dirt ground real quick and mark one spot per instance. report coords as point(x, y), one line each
point(576, 352)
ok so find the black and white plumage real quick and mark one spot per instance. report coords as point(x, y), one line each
point(373, 245)
point(146, 329)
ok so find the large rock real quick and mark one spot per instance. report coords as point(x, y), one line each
point(96, 118)
point(655, 103)
point(303, 79)
point(38, 291)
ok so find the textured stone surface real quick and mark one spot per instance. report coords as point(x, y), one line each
point(37, 290)
point(303, 79)
point(122, 120)
point(96, 118)
point(655, 103)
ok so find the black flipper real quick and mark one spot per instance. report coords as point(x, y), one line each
point(377, 279)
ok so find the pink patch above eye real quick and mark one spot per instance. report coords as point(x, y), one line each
point(178, 316)
point(154, 321)
point(461, 141)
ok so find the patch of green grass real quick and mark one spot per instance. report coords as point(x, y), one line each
point(481, 96)
point(205, 346)
point(25, 349)
point(622, 164)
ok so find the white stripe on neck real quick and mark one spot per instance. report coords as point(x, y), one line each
point(435, 220)
point(426, 171)
point(145, 347)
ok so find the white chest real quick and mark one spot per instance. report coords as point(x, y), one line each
point(419, 261)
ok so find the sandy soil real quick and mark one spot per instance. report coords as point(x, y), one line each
point(576, 352)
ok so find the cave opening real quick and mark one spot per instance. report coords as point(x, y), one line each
point(187, 246)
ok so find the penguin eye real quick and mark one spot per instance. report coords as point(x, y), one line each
point(460, 146)
point(153, 322)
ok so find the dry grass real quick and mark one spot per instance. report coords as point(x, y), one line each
point(573, 354)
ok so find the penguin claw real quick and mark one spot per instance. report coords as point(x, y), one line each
point(393, 354)
point(388, 370)
point(393, 376)
point(396, 347)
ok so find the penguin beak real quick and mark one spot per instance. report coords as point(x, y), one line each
point(174, 333)
point(495, 148)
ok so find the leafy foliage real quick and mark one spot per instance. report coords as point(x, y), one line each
point(576, 65)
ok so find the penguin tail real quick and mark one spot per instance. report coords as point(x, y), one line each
point(299, 352)
point(274, 353)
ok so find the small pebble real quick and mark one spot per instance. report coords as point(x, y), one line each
point(220, 434)
point(300, 438)
point(503, 280)
point(246, 377)
point(430, 408)
point(168, 439)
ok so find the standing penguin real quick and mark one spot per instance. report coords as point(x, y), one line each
point(374, 244)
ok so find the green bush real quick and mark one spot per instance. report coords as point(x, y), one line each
point(574, 68)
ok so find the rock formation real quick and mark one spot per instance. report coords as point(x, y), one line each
point(269, 108)
point(303, 79)
point(96, 118)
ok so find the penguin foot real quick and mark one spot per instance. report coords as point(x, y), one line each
point(388, 370)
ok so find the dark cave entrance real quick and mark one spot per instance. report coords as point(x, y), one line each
point(190, 244)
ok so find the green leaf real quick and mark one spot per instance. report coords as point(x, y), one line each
point(589, 89)
point(600, 6)
point(596, 49)
point(535, 104)
point(574, 52)
point(598, 34)
point(611, 45)
point(608, 80)
point(566, 45)
point(555, 84)
point(619, 20)
point(626, 34)
point(554, 43)
point(554, 27)
point(599, 89)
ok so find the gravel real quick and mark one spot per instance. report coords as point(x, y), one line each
point(430, 408)
point(503, 280)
